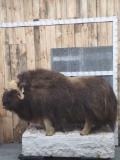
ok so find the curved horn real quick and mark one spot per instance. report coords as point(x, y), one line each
point(17, 81)
point(21, 96)
point(13, 85)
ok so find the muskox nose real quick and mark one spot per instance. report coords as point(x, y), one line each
point(4, 102)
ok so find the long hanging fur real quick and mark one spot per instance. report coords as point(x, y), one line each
point(62, 100)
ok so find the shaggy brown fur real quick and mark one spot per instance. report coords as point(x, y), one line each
point(57, 101)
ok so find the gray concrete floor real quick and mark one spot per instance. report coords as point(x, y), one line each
point(12, 151)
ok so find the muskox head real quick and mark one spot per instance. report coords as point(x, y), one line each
point(12, 95)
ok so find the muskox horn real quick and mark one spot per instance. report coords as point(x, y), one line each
point(13, 85)
point(21, 96)
point(17, 81)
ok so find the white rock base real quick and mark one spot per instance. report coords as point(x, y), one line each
point(69, 144)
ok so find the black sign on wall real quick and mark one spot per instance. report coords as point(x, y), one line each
point(83, 61)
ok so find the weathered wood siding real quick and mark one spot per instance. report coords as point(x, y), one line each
point(25, 48)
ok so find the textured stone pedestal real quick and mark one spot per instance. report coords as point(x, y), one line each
point(70, 144)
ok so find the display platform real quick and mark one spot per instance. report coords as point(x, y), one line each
point(98, 144)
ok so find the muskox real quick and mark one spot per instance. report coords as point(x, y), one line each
point(57, 101)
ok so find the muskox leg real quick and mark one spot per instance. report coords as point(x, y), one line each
point(87, 127)
point(48, 127)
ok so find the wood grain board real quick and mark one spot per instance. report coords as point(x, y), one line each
point(25, 48)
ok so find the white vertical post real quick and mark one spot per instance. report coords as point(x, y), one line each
point(115, 58)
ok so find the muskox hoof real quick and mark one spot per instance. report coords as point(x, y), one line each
point(50, 132)
point(82, 133)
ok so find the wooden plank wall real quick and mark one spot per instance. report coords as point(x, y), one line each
point(25, 48)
